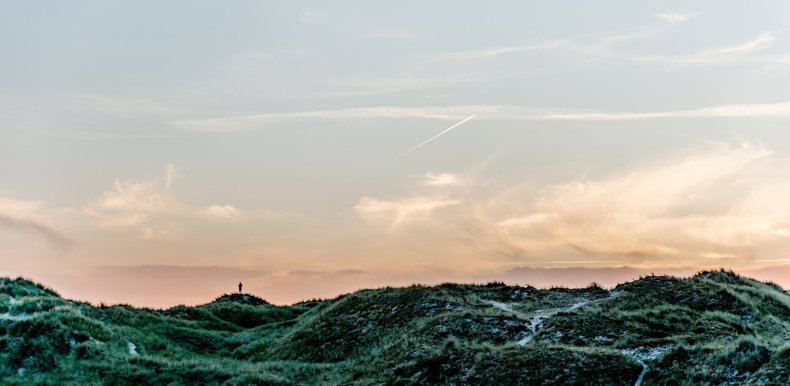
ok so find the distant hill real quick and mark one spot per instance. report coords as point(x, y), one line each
point(714, 328)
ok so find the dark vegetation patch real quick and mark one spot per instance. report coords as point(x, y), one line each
point(496, 329)
point(775, 372)
point(458, 363)
point(732, 363)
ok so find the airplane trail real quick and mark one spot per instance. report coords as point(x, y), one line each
point(434, 137)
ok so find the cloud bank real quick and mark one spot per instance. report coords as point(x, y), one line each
point(715, 206)
point(722, 205)
point(28, 217)
point(152, 209)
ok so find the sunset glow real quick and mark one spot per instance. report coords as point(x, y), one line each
point(311, 149)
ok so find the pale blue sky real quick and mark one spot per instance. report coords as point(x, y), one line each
point(263, 134)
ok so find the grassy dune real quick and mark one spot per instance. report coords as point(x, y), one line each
point(714, 328)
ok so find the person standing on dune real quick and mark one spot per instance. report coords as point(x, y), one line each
point(239, 287)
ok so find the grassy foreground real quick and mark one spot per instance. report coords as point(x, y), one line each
point(715, 328)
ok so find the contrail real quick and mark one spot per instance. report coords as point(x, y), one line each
point(434, 137)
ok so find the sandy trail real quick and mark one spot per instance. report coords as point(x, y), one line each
point(641, 356)
point(16, 318)
point(541, 315)
point(501, 306)
point(536, 320)
point(644, 355)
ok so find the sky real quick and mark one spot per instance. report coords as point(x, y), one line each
point(158, 154)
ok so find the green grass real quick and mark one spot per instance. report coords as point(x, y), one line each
point(714, 328)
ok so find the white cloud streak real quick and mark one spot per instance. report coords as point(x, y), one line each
point(759, 42)
point(675, 17)
point(400, 83)
point(224, 213)
point(734, 54)
point(442, 179)
point(600, 47)
point(242, 122)
point(397, 212)
point(423, 143)
point(764, 110)
point(494, 52)
point(482, 112)
point(310, 16)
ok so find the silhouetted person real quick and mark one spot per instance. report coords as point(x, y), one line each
point(239, 287)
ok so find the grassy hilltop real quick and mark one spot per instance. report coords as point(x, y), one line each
point(715, 328)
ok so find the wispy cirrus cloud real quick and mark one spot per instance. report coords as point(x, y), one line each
point(482, 112)
point(754, 110)
point(599, 47)
point(400, 83)
point(225, 213)
point(242, 122)
point(310, 16)
point(432, 178)
point(494, 52)
point(734, 54)
point(676, 17)
point(760, 42)
point(607, 47)
point(396, 212)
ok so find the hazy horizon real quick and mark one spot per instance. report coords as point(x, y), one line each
point(159, 154)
